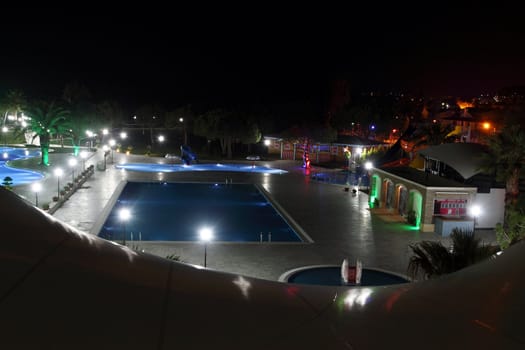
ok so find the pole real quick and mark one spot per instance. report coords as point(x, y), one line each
point(58, 186)
point(123, 232)
point(36, 199)
point(205, 254)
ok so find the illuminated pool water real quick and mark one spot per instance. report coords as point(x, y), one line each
point(169, 168)
point(331, 276)
point(19, 176)
point(177, 211)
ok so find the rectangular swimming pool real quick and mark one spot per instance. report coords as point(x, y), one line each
point(177, 211)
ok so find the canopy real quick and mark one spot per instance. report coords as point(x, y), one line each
point(465, 158)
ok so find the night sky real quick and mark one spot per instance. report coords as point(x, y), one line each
point(264, 55)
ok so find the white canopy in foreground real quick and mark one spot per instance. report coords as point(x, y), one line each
point(62, 289)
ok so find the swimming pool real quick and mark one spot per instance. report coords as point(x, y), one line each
point(331, 276)
point(177, 211)
point(169, 168)
point(19, 176)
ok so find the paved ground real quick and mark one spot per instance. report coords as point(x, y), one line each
point(339, 223)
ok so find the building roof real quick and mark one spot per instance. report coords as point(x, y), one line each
point(423, 178)
point(465, 158)
point(356, 140)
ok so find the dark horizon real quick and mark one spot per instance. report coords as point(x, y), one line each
point(256, 60)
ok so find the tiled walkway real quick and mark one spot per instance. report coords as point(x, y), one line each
point(340, 223)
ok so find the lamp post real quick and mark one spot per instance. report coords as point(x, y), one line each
point(206, 235)
point(112, 144)
point(475, 211)
point(37, 186)
point(90, 135)
point(83, 155)
point(161, 139)
point(185, 134)
point(72, 163)
point(368, 167)
point(4, 131)
point(105, 148)
point(124, 215)
point(58, 173)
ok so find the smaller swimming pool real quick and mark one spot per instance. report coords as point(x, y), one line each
point(171, 168)
point(331, 276)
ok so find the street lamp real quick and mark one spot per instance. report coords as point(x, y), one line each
point(368, 167)
point(112, 144)
point(206, 235)
point(105, 148)
point(58, 173)
point(37, 186)
point(90, 135)
point(124, 215)
point(72, 163)
point(83, 155)
point(475, 211)
point(185, 134)
point(4, 131)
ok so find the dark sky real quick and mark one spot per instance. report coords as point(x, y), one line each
point(176, 55)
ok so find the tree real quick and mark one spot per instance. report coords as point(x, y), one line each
point(112, 112)
point(77, 126)
point(433, 259)
point(47, 119)
point(227, 126)
point(513, 228)
point(180, 117)
point(506, 158)
point(82, 112)
point(149, 116)
point(14, 101)
point(433, 134)
point(8, 182)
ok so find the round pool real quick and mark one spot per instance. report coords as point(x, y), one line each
point(330, 275)
point(18, 176)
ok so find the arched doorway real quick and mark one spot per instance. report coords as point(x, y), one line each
point(402, 200)
point(415, 207)
point(375, 191)
point(388, 190)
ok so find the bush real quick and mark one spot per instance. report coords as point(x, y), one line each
point(45, 206)
point(412, 218)
point(432, 259)
point(55, 198)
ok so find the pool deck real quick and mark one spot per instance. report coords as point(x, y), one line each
point(340, 223)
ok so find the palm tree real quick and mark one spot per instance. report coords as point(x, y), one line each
point(433, 259)
point(47, 119)
point(14, 101)
point(433, 134)
point(506, 158)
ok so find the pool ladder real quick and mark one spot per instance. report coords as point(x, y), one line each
point(269, 237)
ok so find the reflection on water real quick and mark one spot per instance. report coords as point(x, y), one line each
point(343, 177)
